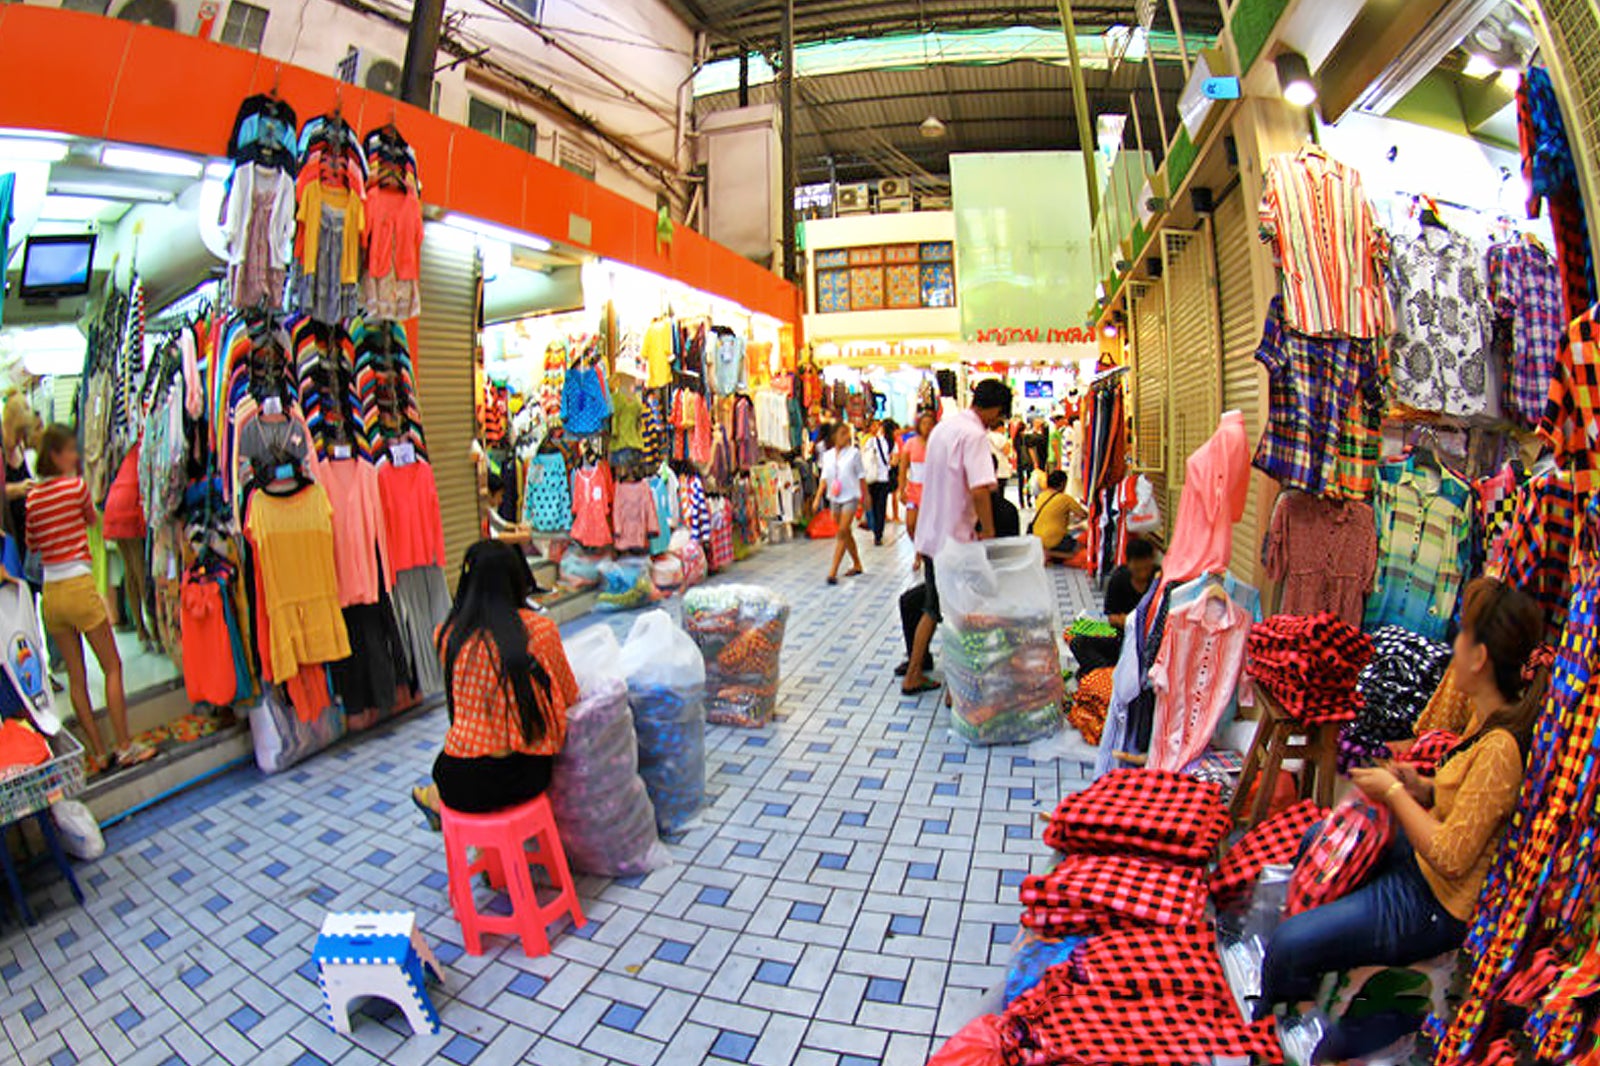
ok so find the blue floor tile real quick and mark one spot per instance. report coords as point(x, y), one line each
point(673, 951)
point(806, 912)
point(526, 985)
point(735, 1047)
point(947, 788)
point(853, 818)
point(832, 860)
point(905, 925)
point(127, 1018)
point(195, 976)
point(747, 849)
point(922, 871)
point(624, 1016)
point(773, 972)
point(245, 1019)
point(462, 1050)
point(714, 897)
point(884, 990)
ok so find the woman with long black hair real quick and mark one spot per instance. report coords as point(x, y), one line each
point(507, 689)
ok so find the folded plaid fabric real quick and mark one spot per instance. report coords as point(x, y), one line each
point(1058, 1022)
point(1149, 961)
point(1145, 890)
point(1309, 665)
point(1274, 842)
point(1158, 813)
point(1430, 747)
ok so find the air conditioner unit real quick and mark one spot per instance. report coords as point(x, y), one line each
point(895, 205)
point(382, 76)
point(894, 188)
point(854, 199)
point(933, 203)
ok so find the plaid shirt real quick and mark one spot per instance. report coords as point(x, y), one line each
point(1156, 813)
point(1572, 414)
point(1355, 462)
point(1275, 842)
point(1323, 232)
point(1079, 1025)
point(1548, 166)
point(1538, 551)
point(1525, 287)
point(1351, 841)
point(1542, 881)
point(1144, 890)
point(1168, 961)
point(483, 708)
point(1424, 527)
point(1313, 383)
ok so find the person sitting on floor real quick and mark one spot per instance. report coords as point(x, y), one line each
point(1126, 587)
point(507, 689)
point(1057, 519)
point(1419, 897)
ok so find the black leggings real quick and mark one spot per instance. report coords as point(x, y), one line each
point(490, 783)
point(879, 491)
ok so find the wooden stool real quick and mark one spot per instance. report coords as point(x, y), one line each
point(1280, 736)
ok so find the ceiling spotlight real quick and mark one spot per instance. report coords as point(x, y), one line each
point(1294, 78)
point(932, 128)
point(1479, 66)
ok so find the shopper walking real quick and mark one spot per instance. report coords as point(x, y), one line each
point(897, 438)
point(913, 458)
point(507, 689)
point(1417, 901)
point(60, 513)
point(1005, 457)
point(875, 456)
point(844, 485)
point(958, 487)
point(1025, 462)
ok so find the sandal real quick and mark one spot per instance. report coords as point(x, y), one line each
point(135, 753)
point(927, 685)
point(832, 580)
point(428, 813)
point(854, 572)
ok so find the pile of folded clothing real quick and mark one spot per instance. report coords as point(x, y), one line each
point(1089, 704)
point(1395, 686)
point(1161, 814)
point(1274, 842)
point(1309, 665)
point(1088, 892)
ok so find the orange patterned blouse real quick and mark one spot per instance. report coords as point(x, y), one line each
point(486, 718)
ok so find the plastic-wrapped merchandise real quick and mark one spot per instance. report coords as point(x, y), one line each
point(607, 823)
point(692, 557)
point(666, 571)
point(666, 689)
point(739, 629)
point(1034, 955)
point(580, 568)
point(1001, 659)
point(281, 738)
point(625, 584)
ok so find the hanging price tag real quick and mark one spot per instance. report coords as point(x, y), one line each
point(341, 451)
point(403, 453)
point(272, 406)
point(283, 471)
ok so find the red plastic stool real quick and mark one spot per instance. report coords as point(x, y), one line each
point(507, 842)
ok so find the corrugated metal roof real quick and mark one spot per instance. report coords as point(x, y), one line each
point(868, 123)
point(755, 24)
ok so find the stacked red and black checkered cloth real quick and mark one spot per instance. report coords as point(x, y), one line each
point(1089, 891)
point(1161, 814)
point(1274, 842)
point(1153, 995)
point(1431, 746)
point(1309, 665)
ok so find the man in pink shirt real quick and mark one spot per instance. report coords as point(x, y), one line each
point(958, 480)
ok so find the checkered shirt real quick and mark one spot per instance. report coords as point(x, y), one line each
point(1274, 842)
point(1548, 166)
point(1145, 890)
point(1312, 384)
point(1089, 704)
point(1057, 1022)
point(1525, 287)
point(1157, 813)
point(1355, 461)
point(1149, 961)
point(483, 708)
point(1538, 552)
point(1571, 420)
point(1496, 509)
point(1424, 535)
point(1431, 746)
point(1351, 841)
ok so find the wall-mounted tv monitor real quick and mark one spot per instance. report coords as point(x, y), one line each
point(57, 266)
point(1038, 390)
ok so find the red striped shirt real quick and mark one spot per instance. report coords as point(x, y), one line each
point(59, 514)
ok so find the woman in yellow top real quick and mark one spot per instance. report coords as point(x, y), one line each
point(1419, 898)
point(1055, 514)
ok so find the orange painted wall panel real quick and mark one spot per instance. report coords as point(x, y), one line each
point(148, 86)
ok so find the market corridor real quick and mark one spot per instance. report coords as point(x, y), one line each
point(850, 895)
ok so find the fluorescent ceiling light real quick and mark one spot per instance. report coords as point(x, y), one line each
point(178, 166)
point(499, 233)
point(75, 208)
point(1479, 66)
point(110, 191)
point(219, 170)
point(50, 349)
point(32, 150)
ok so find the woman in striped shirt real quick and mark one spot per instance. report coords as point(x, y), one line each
point(59, 515)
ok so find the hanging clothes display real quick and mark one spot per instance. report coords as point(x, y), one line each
point(1440, 352)
point(1552, 177)
point(391, 277)
point(1525, 292)
point(299, 621)
point(1424, 521)
point(331, 196)
point(1216, 482)
point(1324, 552)
point(1194, 676)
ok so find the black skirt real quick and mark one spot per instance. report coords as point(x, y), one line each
point(491, 783)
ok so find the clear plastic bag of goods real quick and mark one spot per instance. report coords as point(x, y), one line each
point(80, 833)
point(607, 823)
point(666, 571)
point(1034, 955)
point(625, 584)
point(666, 688)
point(594, 656)
point(739, 630)
point(693, 558)
point(580, 568)
point(281, 738)
point(1001, 658)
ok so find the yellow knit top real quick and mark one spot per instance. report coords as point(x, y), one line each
point(1473, 797)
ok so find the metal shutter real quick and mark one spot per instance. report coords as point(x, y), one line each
point(447, 342)
point(1150, 390)
point(1193, 349)
point(1244, 383)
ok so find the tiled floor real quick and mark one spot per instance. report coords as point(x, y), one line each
point(849, 898)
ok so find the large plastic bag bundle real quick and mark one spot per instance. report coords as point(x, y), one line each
point(580, 568)
point(607, 823)
point(281, 738)
point(625, 584)
point(1002, 663)
point(666, 689)
point(593, 654)
point(693, 557)
point(739, 629)
point(666, 571)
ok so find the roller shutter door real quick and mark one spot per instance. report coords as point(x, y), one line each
point(1244, 383)
point(1193, 349)
point(447, 343)
point(1150, 391)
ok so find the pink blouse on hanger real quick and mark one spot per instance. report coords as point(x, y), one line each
point(1194, 677)
point(1216, 487)
point(591, 505)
